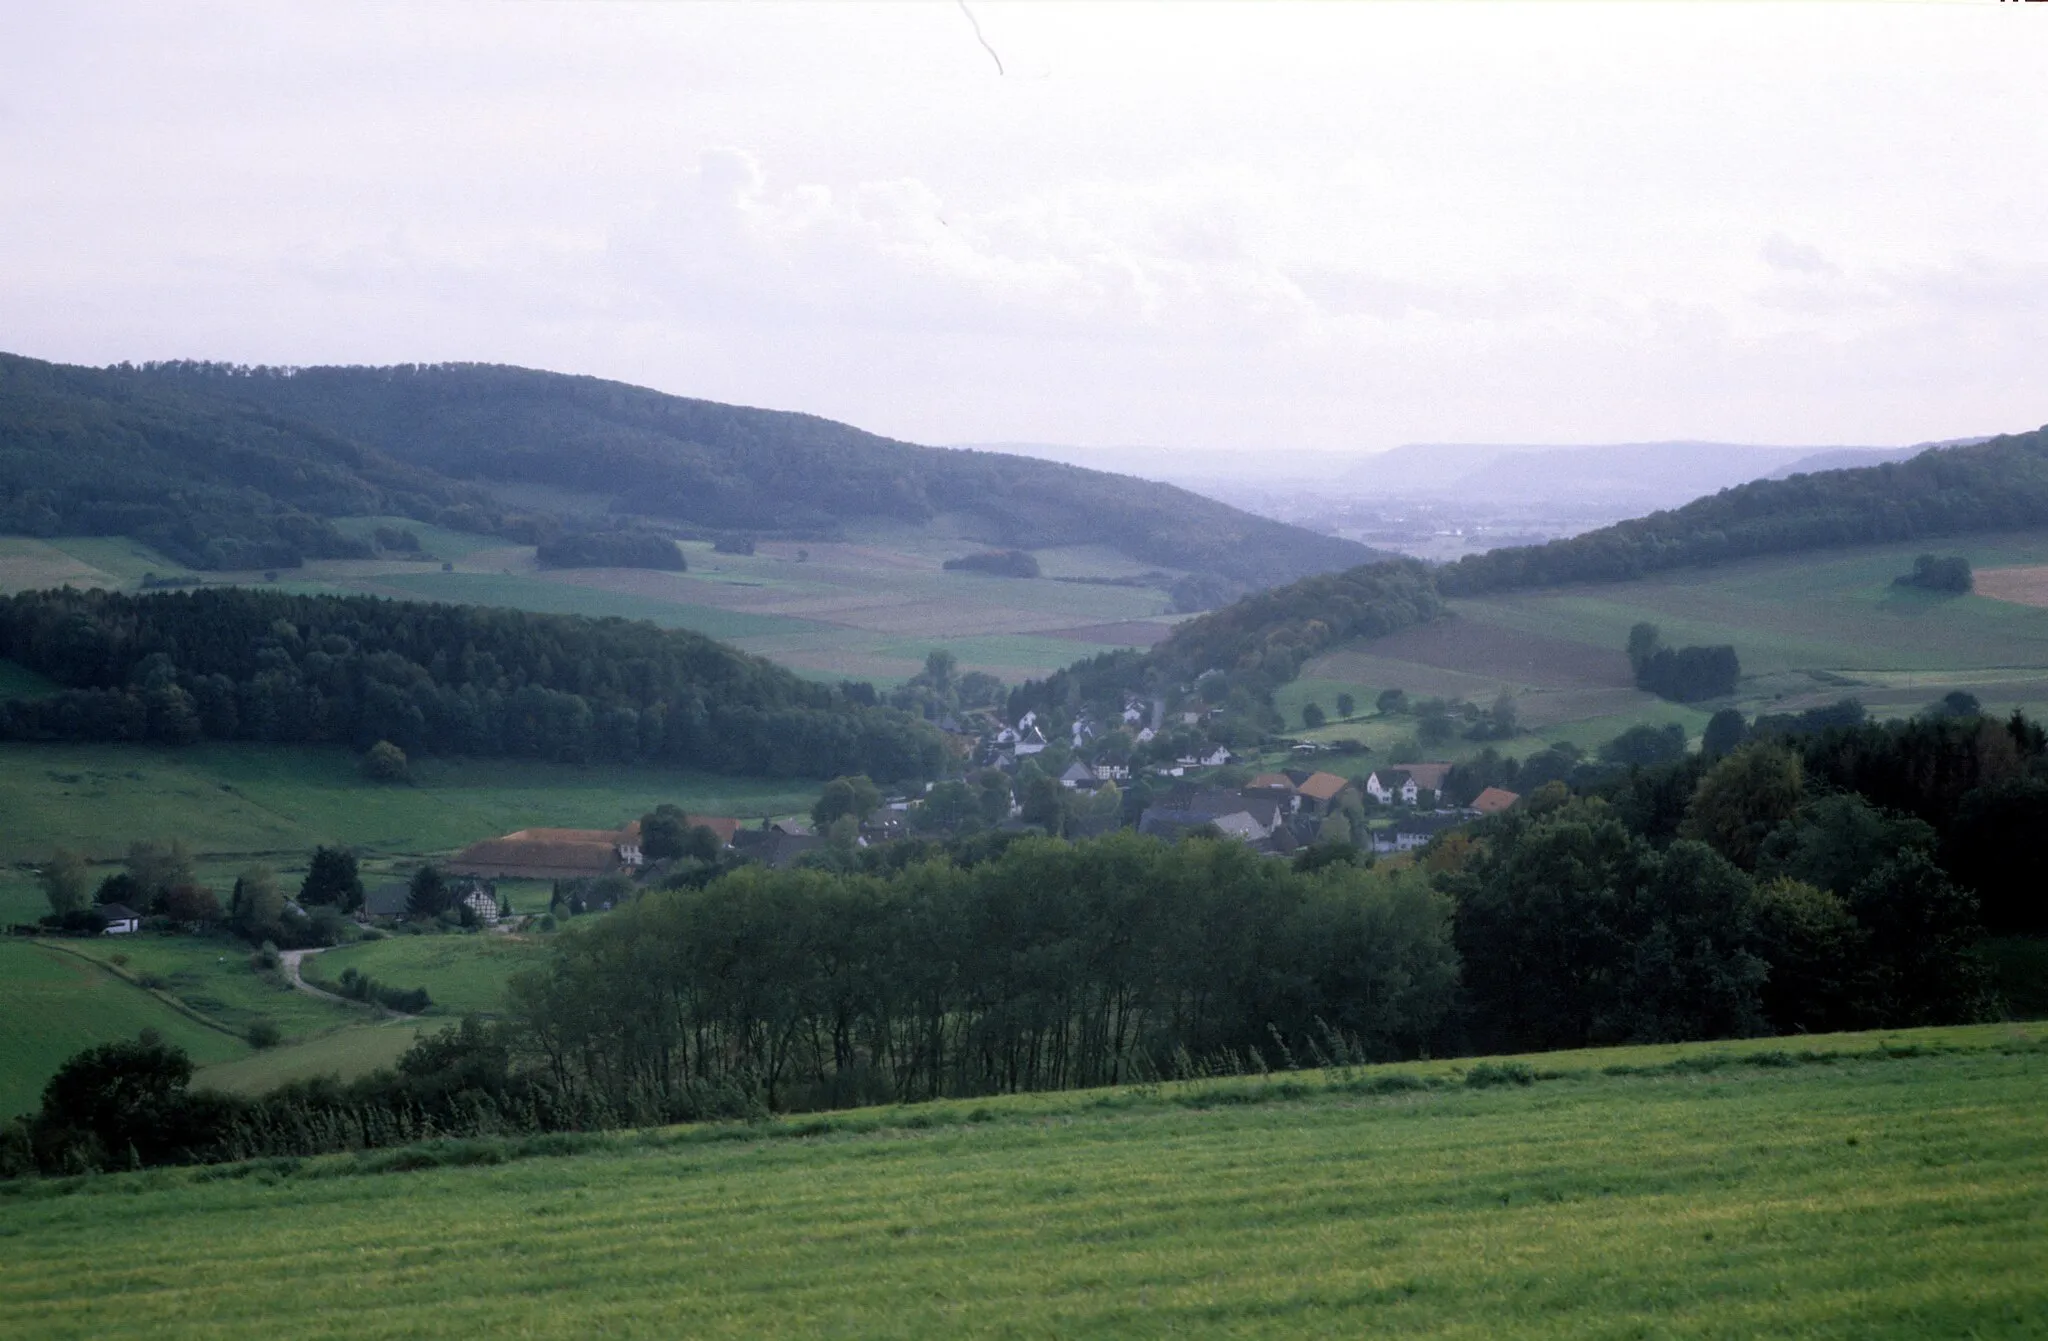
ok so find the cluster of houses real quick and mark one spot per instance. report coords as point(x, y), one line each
point(1280, 812)
point(1005, 746)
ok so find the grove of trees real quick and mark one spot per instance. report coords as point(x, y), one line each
point(253, 664)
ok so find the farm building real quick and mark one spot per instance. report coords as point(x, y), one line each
point(1319, 792)
point(551, 854)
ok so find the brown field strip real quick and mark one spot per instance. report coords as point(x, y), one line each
point(2021, 586)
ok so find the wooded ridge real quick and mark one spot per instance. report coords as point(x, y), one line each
point(225, 466)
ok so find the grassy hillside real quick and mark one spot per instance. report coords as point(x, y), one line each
point(1809, 630)
point(1897, 1191)
point(236, 801)
point(464, 974)
point(53, 1004)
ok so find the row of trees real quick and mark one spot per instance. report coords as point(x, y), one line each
point(1052, 965)
point(240, 664)
point(611, 549)
point(158, 879)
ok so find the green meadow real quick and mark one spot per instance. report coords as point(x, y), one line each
point(1864, 1186)
point(869, 607)
point(53, 1004)
point(1809, 629)
point(463, 974)
point(239, 800)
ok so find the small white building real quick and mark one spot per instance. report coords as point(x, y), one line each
point(120, 919)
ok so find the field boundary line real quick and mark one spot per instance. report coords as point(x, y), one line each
point(175, 1003)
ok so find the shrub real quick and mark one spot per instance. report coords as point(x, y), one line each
point(385, 762)
point(264, 1034)
point(1488, 1075)
point(996, 563)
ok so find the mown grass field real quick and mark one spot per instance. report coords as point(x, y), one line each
point(1885, 1194)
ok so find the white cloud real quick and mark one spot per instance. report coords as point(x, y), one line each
point(1268, 227)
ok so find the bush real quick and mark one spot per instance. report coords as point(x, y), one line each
point(1950, 573)
point(385, 762)
point(264, 1034)
point(996, 563)
point(1488, 1075)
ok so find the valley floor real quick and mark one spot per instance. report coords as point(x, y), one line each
point(1861, 1186)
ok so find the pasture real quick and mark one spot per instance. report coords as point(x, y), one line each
point(1809, 628)
point(232, 802)
point(463, 973)
point(53, 1004)
point(1869, 1186)
point(868, 607)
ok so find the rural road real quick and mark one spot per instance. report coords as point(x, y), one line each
point(290, 960)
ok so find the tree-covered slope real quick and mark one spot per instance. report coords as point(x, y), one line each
point(228, 663)
point(212, 484)
point(1997, 485)
point(736, 468)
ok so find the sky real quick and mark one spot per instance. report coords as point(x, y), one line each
point(1264, 229)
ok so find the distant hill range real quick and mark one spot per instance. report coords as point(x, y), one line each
point(1995, 484)
point(1616, 477)
point(233, 467)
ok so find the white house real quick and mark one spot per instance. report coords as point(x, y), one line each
point(120, 919)
point(1112, 773)
point(1390, 785)
point(480, 902)
point(1078, 774)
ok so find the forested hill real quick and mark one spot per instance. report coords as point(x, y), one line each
point(694, 462)
point(229, 663)
point(210, 483)
point(1998, 485)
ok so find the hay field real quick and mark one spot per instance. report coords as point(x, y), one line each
point(1899, 1190)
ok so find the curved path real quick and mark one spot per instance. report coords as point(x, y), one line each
point(290, 960)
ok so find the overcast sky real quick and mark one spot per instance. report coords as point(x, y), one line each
point(1248, 227)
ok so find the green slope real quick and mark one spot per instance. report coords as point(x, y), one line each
point(1882, 1195)
point(53, 1004)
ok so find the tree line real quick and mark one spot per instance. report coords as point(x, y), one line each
point(1806, 873)
point(246, 664)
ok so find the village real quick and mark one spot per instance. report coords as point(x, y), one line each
point(1106, 779)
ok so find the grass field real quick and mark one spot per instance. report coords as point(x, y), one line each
point(869, 607)
point(235, 800)
point(463, 973)
point(53, 1005)
point(346, 1053)
point(1882, 1195)
point(1809, 629)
